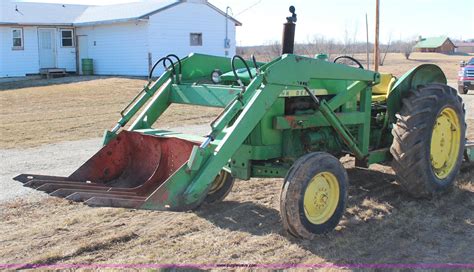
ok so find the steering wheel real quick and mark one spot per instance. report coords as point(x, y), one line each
point(350, 59)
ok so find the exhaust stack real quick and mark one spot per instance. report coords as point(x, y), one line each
point(289, 27)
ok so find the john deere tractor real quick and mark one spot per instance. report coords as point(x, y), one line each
point(290, 118)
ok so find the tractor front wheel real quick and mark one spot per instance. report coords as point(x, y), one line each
point(429, 139)
point(314, 195)
point(462, 89)
point(220, 188)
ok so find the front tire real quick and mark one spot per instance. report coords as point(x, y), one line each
point(429, 138)
point(314, 195)
point(462, 90)
point(220, 188)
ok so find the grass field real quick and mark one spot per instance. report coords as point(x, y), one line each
point(75, 108)
point(41, 111)
point(381, 225)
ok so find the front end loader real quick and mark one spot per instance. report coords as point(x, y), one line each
point(290, 118)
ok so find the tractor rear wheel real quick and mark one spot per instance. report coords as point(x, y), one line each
point(429, 139)
point(314, 195)
point(220, 188)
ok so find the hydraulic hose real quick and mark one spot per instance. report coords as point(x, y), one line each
point(178, 60)
point(349, 58)
point(156, 64)
point(235, 70)
point(254, 62)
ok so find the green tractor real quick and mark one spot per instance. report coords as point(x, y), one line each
point(290, 118)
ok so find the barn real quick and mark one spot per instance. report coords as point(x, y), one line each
point(440, 44)
point(465, 47)
point(122, 39)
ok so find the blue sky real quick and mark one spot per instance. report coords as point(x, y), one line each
point(400, 19)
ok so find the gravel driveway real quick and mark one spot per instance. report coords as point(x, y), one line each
point(59, 159)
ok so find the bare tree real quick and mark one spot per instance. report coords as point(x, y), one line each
point(317, 45)
point(382, 60)
point(407, 48)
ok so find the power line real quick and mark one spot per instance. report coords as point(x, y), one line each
point(250, 7)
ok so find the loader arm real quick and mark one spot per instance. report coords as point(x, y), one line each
point(194, 179)
point(176, 170)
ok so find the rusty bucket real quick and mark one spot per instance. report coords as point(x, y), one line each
point(122, 174)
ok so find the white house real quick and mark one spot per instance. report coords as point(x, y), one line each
point(121, 39)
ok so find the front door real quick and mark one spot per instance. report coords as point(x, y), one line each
point(83, 50)
point(47, 47)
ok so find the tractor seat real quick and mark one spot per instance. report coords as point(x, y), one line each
point(380, 91)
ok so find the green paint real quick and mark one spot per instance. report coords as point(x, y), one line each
point(267, 125)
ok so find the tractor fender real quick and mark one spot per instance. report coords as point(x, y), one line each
point(423, 74)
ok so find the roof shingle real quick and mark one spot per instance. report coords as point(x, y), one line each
point(29, 13)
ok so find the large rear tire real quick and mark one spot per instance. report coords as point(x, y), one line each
point(314, 195)
point(429, 139)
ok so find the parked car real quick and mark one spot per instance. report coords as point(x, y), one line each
point(466, 76)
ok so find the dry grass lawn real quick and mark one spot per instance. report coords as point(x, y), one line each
point(398, 65)
point(381, 225)
point(38, 112)
point(47, 111)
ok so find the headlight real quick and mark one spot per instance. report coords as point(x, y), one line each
point(216, 76)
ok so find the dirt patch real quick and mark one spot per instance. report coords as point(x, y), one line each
point(76, 108)
point(381, 225)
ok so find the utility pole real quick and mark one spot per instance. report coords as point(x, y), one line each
point(367, 41)
point(376, 44)
point(227, 41)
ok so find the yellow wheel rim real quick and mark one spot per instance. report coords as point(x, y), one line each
point(321, 198)
point(218, 182)
point(445, 143)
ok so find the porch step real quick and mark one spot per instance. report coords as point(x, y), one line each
point(52, 72)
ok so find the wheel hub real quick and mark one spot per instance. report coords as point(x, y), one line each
point(321, 198)
point(445, 143)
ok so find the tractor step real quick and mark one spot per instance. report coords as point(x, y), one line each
point(124, 173)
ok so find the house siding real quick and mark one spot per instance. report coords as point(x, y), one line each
point(118, 49)
point(465, 49)
point(169, 31)
point(19, 62)
point(22, 62)
point(447, 47)
point(124, 48)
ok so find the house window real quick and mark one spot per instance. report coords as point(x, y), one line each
point(17, 38)
point(67, 39)
point(196, 39)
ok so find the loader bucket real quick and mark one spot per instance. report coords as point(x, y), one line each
point(122, 174)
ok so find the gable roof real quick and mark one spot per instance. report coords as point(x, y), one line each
point(433, 42)
point(29, 13)
point(123, 12)
point(39, 13)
